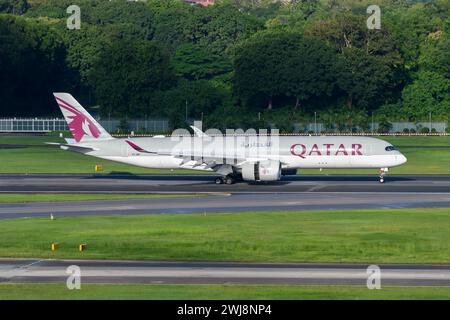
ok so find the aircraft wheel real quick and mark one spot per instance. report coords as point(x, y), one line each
point(229, 180)
point(218, 181)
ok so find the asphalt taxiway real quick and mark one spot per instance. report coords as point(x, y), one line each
point(228, 203)
point(130, 183)
point(103, 271)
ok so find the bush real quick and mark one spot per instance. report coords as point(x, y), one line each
point(424, 130)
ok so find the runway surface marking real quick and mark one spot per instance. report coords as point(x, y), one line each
point(100, 271)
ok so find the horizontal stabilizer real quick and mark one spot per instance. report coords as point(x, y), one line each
point(73, 147)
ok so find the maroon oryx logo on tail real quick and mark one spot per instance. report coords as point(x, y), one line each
point(79, 124)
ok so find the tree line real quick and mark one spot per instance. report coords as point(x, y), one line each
point(236, 63)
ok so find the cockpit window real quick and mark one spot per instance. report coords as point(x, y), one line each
point(390, 148)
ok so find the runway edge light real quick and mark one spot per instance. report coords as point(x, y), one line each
point(98, 168)
point(55, 246)
point(82, 247)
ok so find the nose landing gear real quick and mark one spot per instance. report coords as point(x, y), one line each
point(382, 174)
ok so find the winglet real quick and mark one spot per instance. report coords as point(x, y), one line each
point(199, 132)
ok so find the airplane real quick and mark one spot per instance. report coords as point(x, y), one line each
point(233, 157)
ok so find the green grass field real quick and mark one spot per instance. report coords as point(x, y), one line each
point(374, 236)
point(10, 291)
point(426, 155)
point(24, 198)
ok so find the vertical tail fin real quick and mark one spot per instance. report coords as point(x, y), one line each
point(82, 125)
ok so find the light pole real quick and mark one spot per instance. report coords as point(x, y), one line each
point(186, 111)
point(372, 124)
point(315, 122)
point(431, 124)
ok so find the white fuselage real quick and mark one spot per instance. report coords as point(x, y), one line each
point(294, 152)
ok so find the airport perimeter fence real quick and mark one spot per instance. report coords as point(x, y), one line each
point(43, 125)
point(142, 127)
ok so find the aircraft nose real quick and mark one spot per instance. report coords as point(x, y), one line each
point(401, 159)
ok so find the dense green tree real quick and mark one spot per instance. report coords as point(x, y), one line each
point(412, 25)
point(216, 27)
point(435, 54)
point(130, 14)
point(350, 31)
point(362, 77)
point(308, 69)
point(232, 59)
point(13, 6)
point(370, 69)
point(177, 25)
point(198, 96)
point(279, 63)
point(126, 75)
point(223, 26)
point(32, 66)
point(195, 62)
point(257, 67)
point(294, 15)
point(428, 93)
point(83, 48)
point(56, 9)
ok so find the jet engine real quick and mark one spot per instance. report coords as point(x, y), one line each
point(266, 170)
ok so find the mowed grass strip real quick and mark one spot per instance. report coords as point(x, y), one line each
point(52, 197)
point(426, 155)
point(372, 236)
point(13, 291)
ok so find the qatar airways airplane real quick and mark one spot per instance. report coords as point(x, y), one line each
point(249, 157)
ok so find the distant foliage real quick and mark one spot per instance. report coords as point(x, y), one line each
point(237, 63)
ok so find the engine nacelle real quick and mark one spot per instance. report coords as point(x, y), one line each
point(266, 170)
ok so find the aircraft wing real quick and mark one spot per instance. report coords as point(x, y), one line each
point(210, 161)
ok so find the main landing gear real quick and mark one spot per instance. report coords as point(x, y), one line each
point(229, 179)
point(382, 174)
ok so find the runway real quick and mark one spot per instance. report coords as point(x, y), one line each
point(103, 271)
point(130, 183)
